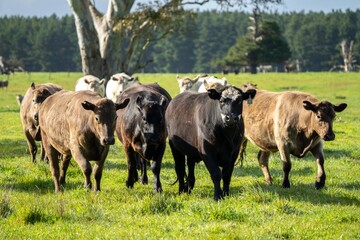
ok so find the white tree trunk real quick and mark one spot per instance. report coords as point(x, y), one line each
point(99, 45)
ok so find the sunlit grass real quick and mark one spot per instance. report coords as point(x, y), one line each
point(29, 209)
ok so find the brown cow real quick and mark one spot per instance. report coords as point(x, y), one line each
point(35, 95)
point(78, 124)
point(291, 123)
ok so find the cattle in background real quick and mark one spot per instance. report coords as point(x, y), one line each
point(141, 129)
point(92, 83)
point(19, 99)
point(292, 123)
point(197, 84)
point(33, 97)
point(117, 84)
point(4, 84)
point(265, 68)
point(78, 124)
point(209, 127)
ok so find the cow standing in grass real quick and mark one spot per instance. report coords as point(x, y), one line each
point(78, 124)
point(92, 83)
point(33, 97)
point(292, 123)
point(209, 127)
point(141, 129)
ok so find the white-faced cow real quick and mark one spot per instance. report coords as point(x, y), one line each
point(291, 123)
point(117, 84)
point(141, 129)
point(209, 127)
point(78, 124)
point(92, 83)
point(33, 97)
point(197, 84)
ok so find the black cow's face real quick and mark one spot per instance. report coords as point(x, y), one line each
point(230, 99)
point(324, 114)
point(104, 114)
point(151, 121)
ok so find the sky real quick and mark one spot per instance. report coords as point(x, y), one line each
point(42, 8)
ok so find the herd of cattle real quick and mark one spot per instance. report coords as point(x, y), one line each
point(209, 121)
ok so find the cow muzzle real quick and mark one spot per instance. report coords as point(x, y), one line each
point(329, 137)
point(231, 119)
point(108, 141)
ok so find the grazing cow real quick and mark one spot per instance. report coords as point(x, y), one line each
point(92, 83)
point(33, 97)
point(209, 127)
point(117, 84)
point(78, 124)
point(291, 123)
point(197, 84)
point(141, 129)
point(4, 84)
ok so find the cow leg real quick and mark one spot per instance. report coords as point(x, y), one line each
point(263, 158)
point(53, 162)
point(190, 181)
point(31, 145)
point(285, 158)
point(156, 167)
point(65, 159)
point(215, 174)
point(98, 168)
point(179, 160)
point(317, 152)
point(131, 162)
point(84, 165)
point(142, 164)
point(226, 176)
point(42, 153)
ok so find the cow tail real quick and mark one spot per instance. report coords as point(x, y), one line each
point(242, 153)
point(177, 179)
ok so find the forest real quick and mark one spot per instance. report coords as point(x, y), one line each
point(49, 44)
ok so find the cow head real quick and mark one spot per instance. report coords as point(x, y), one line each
point(186, 83)
point(104, 118)
point(151, 121)
point(95, 85)
point(323, 117)
point(123, 81)
point(230, 101)
point(39, 95)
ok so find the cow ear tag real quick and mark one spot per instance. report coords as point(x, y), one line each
point(250, 100)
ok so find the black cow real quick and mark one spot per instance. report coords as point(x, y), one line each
point(141, 129)
point(206, 126)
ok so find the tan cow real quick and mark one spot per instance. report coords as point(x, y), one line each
point(34, 96)
point(78, 124)
point(291, 123)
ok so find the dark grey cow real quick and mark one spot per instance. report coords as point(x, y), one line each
point(209, 127)
point(141, 129)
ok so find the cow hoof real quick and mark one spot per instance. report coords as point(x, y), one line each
point(319, 185)
point(286, 185)
point(129, 184)
point(144, 181)
point(158, 189)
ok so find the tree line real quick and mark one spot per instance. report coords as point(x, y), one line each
point(200, 43)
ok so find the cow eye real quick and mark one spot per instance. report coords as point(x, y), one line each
point(97, 119)
point(318, 116)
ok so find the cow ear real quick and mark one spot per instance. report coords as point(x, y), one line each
point(213, 94)
point(123, 104)
point(340, 107)
point(32, 86)
point(139, 101)
point(310, 106)
point(163, 102)
point(86, 81)
point(249, 94)
point(88, 105)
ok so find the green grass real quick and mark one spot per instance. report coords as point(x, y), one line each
point(29, 208)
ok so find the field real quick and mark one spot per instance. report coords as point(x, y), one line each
point(29, 208)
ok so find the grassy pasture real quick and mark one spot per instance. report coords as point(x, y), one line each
point(29, 209)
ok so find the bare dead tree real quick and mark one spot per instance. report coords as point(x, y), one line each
point(346, 50)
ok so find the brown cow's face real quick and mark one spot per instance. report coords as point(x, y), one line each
point(39, 96)
point(324, 114)
point(104, 114)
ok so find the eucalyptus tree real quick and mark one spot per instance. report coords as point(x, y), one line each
point(117, 39)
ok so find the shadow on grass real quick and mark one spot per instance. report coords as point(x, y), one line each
point(15, 148)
